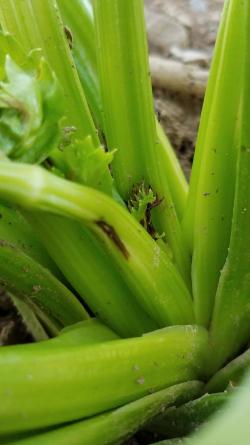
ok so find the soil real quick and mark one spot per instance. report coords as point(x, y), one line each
point(181, 30)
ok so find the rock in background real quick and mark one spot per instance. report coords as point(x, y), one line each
point(181, 36)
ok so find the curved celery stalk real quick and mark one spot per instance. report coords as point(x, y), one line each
point(232, 373)
point(15, 230)
point(128, 113)
point(209, 212)
point(116, 426)
point(85, 380)
point(80, 21)
point(185, 419)
point(230, 327)
point(84, 333)
point(92, 273)
point(30, 281)
point(153, 278)
point(37, 24)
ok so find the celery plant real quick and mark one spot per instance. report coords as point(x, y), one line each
point(130, 281)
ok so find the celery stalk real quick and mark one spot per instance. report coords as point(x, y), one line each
point(211, 195)
point(157, 284)
point(231, 317)
point(117, 425)
point(92, 273)
point(129, 123)
point(183, 420)
point(80, 22)
point(15, 230)
point(27, 279)
point(80, 381)
point(232, 374)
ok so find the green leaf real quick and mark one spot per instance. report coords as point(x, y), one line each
point(31, 106)
point(89, 165)
point(37, 24)
point(141, 200)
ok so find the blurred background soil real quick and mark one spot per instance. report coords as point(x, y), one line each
point(181, 36)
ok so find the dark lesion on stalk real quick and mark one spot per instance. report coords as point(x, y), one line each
point(149, 225)
point(69, 36)
point(113, 236)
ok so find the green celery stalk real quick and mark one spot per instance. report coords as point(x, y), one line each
point(231, 317)
point(129, 121)
point(80, 21)
point(92, 273)
point(215, 80)
point(231, 374)
point(116, 426)
point(169, 163)
point(28, 280)
point(209, 211)
point(80, 381)
point(185, 419)
point(229, 427)
point(157, 284)
point(15, 230)
point(83, 333)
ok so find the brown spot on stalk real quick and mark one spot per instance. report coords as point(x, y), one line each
point(69, 36)
point(113, 236)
